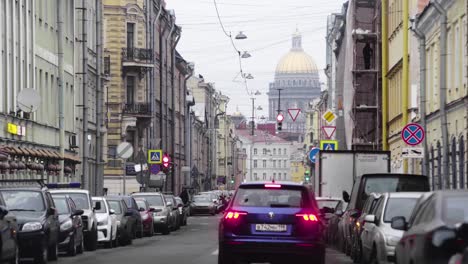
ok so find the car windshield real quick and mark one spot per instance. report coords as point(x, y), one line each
point(103, 207)
point(394, 184)
point(327, 203)
point(399, 207)
point(141, 204)
point(80, 199)
point(17, 200)
point(61, 205)
point(116, 206)
point(455, 209)
point(201, 199)
point(261, 197)
point(153, 200)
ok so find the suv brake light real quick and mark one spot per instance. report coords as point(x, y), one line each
point(308, 217)
point(234, 215)
point(272, 185)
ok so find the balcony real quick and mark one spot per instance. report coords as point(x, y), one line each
point(137, 110)
point(137, 57)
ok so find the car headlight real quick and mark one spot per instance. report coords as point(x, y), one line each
point(32, 226)
point(392, 240)
point(66, 225)
point(103, 222)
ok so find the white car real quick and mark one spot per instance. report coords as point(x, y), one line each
point(378, 238)
point(107, 223)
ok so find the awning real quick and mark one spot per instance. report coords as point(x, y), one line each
point(40, 153)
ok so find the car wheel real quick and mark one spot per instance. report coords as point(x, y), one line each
point(139, 234)
point(53, 252)
point(91, 240)
point(225, 257)
point(15, 259)
point(110, 243)
point(71, 247)
point(166, 230)
point(80, 248)
point(41, 256)
point(373, 257)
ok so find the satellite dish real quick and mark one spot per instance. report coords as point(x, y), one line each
point(28, 100)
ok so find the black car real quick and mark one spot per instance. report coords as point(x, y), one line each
point(174, 214)
point(9, 250)
point(38, 220)
point(126, 223)
point(71, 238)
point(183, 211)
point(133, 207)
point(431, 234)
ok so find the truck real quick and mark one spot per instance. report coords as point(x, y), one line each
point(335, 171)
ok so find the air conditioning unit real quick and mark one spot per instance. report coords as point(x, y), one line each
point(72, 142)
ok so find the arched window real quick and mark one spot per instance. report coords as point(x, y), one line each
point(294, 82)
point(461, 162)
point(453, 157)
point(439, 166)
point(274, 151)
point(432, 171)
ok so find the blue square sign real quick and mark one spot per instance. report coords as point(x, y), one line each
point(155, 156)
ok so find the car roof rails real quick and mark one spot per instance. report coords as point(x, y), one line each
point(70, 185)
point(28, 183)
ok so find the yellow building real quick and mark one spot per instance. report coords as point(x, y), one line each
point(447, 167)
point(297, 171)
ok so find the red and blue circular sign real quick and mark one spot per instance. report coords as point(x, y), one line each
point(413, 134)
point(155, 168)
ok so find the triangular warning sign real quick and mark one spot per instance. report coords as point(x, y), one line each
point(329, 147)
point(329, 131)
point(294, 113)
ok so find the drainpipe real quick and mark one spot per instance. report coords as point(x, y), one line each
point(152, 82)
point(173, 128)
point(161, 88)
point(84, 143)
point(405, 74)
point(443, 90)
point(61, 92)
point(422, 95)
point(166, 98)
point(188, 130)
point(99, 169)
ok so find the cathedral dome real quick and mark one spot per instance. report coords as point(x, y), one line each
point(296, 61)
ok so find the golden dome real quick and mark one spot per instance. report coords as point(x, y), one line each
point(296, 60)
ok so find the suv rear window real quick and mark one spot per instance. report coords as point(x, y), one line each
point(259, 196)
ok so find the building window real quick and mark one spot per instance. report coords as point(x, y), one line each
point(279, 151)
point(130, 35)
point(255, 164)
point(264, 163)
point(255, 151)
point(461, 162)
point(284, 176)
point(285, 152)
point(285, 163)
point(274, 175)
point(255, 176)
point(274, 164)
point(274, 151)
point(279, 163)
point(264, 151)
point(453, 157)
point(130, 89)
point(264, 176)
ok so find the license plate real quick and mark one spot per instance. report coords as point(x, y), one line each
point(270, 228)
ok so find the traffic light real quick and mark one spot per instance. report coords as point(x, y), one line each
point(232, 180)
point(307, 175)
point(279, 120)
point(166, 163)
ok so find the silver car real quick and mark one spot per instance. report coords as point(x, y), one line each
point(162, 211)
point(378, 238)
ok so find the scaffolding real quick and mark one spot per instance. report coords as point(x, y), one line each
point(366, 74)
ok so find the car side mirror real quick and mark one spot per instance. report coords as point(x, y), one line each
point(51, 211)
point(97, 206)
point(78, 212)
point(112, 212)
point(370, 219)
point(3, 211)
point(169, 204)
point(346, 196)
point(128, 213)
point(141, 209)
point(152, 209)
point(399, 223)
point(339, 212)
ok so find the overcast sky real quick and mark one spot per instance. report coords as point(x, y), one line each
point(268, 24)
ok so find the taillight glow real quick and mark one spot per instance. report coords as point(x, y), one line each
point(308, 217)
point(272, 185)
point(234, 215)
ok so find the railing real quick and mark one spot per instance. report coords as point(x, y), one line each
point(107, 63)
point(137, 108)
point(137, 54)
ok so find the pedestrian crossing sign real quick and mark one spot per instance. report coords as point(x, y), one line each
point(328, 145)
point(155, 156)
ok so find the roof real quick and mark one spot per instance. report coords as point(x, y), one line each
point(260, 137)
point(296, 60)
point(405, 194)
point(391, 174)
point(70, 190)
point(287, 183)
point(146, 193)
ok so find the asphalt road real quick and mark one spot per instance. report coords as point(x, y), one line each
point(193, 244)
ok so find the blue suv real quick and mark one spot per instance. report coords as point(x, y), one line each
point(272, 222)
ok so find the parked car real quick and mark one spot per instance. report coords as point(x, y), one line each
point(107, 222)
point(327, 207)
point(133, 207)
point(460, 258)
point(183, 211)
point(146, 213)
point(431, 233)
point(174, 215)
point(368, 208)
point(83, 201)
point(9, 249)
point(125, 221)
point(376, 183)
point(378, 238)
point(71, 226)
point(161, 213)
point(37, 218)
point(334, 230)
point(272, 222)
point(203, 204)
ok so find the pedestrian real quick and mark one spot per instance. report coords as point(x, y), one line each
point(368, 53)
point(184, 196)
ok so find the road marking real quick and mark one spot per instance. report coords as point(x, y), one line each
point(216, 252)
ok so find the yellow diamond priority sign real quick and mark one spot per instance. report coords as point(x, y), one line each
point(329, 116)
